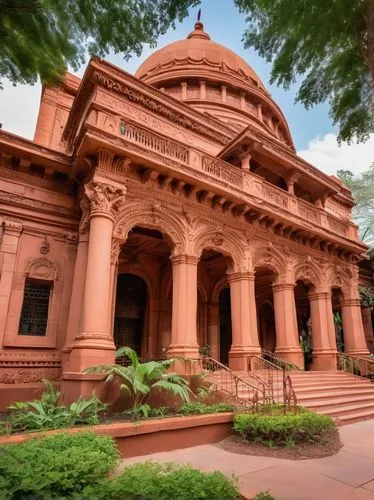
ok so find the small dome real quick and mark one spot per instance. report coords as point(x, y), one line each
point(197, 50)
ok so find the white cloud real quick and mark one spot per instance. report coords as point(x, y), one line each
point(329, 157)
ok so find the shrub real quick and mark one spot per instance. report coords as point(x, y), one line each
point(283, 429)
point(152, 480)
point(140, 379)
point(263, 495)
point(45, 413)
point(197, 408)
point(58, 466)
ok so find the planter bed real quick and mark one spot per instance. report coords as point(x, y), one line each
point(154, 435)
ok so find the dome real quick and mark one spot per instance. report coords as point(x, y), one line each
point(197, 53)
point(214, 80)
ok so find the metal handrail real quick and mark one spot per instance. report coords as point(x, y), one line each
point(356, 365)
point(277, 379)
point(278, 361)
point(245, 393)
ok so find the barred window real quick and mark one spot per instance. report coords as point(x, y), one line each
point(34, 314)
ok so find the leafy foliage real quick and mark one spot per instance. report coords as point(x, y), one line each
point(150, 480)
point(331, 44)
point(41, 38)
point(264, 495)
point(283, 430)
point(198, 408)
point(366, 296)
point(140, 379)
point(45, 413)
point(362, 187)
point(59, 466)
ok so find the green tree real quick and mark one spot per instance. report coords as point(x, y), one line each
point(42, 37)
point(330, 44)
point(362, 187)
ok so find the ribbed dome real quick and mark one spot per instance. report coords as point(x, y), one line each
point(197, 50)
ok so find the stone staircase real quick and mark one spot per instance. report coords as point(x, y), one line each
point(342, 396)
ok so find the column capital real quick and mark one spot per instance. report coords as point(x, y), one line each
point(240, 276)
point(102, 199)
point(282, 287)
point(184, 259)
point(350, 302)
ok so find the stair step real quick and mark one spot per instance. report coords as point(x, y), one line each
point(333, 394)
point(329, 403)
point(356, 417)
point(344, 409)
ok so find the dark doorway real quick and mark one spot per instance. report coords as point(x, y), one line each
point(304, 324)
point(131, 302)
point(225, 332)
point(336, 297)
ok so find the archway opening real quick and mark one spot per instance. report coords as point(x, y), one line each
point(143, 265)
point(212, 270)
point(336, 296)
point(304, 324)
point(130, 312)
point(264, 279)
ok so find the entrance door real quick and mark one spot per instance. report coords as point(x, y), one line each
point(131, 301)
point(225, 332)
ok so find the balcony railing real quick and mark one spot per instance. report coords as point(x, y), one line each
point(231, 176)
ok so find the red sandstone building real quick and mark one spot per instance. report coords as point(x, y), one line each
point(167, 211)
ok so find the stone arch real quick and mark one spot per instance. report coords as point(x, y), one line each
point(306, 270)
point(154, 216)
point(339, 278)
point(219, 285)
point(225, 242)
point(143, 273)
point(269, 257)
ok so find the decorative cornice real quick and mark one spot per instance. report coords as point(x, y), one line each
point(104, 199)
point(240, 276)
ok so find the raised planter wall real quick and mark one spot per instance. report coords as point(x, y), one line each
point(151, 436)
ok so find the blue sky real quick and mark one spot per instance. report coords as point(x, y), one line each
point(312, 131)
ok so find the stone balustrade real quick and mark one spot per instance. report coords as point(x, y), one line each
point(247, 182)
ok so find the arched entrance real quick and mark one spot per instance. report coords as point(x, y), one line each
point(130, 312)
point(225, 330)
point(304, 325)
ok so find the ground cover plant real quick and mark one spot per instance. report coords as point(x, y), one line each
point(199, 408)
point(274, 430)
point(81, 466)
point(46, 413)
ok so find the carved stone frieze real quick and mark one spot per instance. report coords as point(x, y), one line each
point(27, 375)
point(115, 250)
point(17, 199)
point(160, 108)
point(11, 226)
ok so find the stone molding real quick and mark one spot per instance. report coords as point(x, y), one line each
point(13, 227)
point(282, 287)
point(234, 277)
point(43, 269)
point(350, 302)
point(313, 296)
point(177, 260)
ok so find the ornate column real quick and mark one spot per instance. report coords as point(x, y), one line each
point(213, 330)
point(184, 308)
point(287, 342)
point(353, 328)
point(115, 251)
point(8, 251)
point(243, 319)
point(368, 327)
point(323, 331)
point(94, 345)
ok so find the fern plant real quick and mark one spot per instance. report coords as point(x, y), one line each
point(139, 379)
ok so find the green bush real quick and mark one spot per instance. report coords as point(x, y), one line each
point(59, 466)
point(263, 495)
point(45, 413)
point(197, 408)
point(283, 430)
point(152, 480)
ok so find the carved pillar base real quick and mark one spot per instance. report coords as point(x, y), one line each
point(292, 355)
point(239, 355)
point(324, 360)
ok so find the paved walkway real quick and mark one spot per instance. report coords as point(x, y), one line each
point(348, 475)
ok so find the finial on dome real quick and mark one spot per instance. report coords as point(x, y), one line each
point(199, 32)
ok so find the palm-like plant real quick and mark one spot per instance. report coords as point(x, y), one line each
point(139, 379)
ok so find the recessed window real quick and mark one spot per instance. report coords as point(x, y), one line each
point(34, 314)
